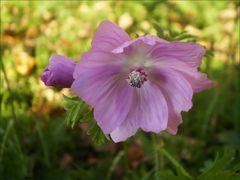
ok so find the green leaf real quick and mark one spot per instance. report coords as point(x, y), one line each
point(173, 35)
point(209, 53)
point(219, 169)
point(115, 162)
point(43, 144)
point(168, 175)
point(160, 31)
point(87, 117)
point(68, 101)
point(181, 172)
point(77, 111)
point(184, 36)
point(13, 162)
point(74, 108)
point(97, 135)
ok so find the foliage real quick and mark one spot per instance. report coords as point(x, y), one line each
point(174, 36)
point(75, 108)
point(219, 169)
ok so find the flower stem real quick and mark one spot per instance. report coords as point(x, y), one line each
point(9, 90)
point(156, 155)
point(125, 146)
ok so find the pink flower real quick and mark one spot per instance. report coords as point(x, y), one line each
point(59, 72)
point(142, 83)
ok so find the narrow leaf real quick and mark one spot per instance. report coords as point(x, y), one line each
point(97, 135)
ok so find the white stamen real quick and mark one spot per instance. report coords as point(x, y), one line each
point(136, 78)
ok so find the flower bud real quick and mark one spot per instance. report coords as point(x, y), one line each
point(59, 72)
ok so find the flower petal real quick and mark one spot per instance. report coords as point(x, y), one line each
point(176, 89)
point(96, 59)
point(110, 97)
point(127, 129)
point(92, 86)
point(198, 80)
point(153, 110)
point(174, 116)
point(113, 107)
point(178, 94)
point(94, 75)
point(100, 81)
point(137, 44)
point(149, 111)
point(174, 120)
point(108, 36)
point(188, 52)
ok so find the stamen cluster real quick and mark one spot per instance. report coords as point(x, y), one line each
point(137, 77)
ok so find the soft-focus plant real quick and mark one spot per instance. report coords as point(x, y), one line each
point(142, 83)
point(182, 57)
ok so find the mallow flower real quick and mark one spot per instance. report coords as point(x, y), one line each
point(143, 83)
point(59, 72)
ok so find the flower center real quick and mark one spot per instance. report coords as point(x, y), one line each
point(137, 77)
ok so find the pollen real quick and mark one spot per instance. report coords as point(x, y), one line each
point(137, 77)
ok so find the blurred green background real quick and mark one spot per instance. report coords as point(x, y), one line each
point(36, 143)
